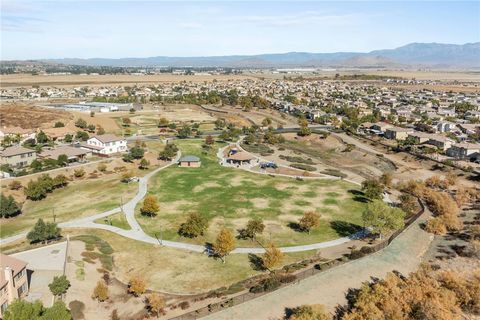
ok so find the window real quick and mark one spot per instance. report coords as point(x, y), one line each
point(19, 275)
point(22, 289)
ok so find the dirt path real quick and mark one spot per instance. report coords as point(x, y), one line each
point(328, 288)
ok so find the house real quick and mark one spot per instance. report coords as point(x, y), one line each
point(13, 281)
point(58, 133)
point(441, 142)
point(396, 133)
point(13, 132)
point(73, 154)
point(380, 126)
point(418, 137)
point(445, 126)
point(189, 161)
point(463, 150)
point(17, 156)
point(106, 144)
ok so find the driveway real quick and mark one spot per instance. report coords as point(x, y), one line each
point(329, 288)
point(43, 264)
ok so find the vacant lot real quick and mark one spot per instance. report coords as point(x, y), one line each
point(78, 199)
point(29, 117)
point(230, 197)
point(27, 80)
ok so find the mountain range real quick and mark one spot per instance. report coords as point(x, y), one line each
point(433, 55)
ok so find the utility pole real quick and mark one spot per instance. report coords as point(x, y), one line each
point(53, 214)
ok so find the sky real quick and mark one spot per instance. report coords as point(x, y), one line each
point(118, 29)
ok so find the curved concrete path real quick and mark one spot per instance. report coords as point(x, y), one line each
point(136, 232)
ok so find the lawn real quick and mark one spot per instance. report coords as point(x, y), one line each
point(230, 197)
point(79, 199)
point(117, 220)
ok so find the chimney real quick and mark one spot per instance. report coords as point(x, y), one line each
point(12, 293)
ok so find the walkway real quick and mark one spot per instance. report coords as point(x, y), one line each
point(136, 232)
point(404, 254)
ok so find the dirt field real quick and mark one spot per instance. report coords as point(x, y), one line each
point(27, 80)
point(30, 117)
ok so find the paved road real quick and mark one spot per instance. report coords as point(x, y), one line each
point(404, 254)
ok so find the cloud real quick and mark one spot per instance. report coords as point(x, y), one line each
point(299, 19)
point(21, 24)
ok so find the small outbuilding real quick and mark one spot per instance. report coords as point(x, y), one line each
point(190, 161)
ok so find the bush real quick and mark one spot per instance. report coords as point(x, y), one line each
point(78, 173)
point(302, 166)
point(184, 305)
point(266, 285)
point(335, 173)
point(14, 185)
point(102, 167)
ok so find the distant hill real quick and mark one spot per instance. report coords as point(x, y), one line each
point(414, 54)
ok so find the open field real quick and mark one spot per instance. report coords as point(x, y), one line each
point(30, 117)
point(176, 271)
point(78, 199)
point(230, 197)
point(27, 80)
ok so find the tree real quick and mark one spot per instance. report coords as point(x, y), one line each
point(57, 312)
point(310, 312)
point(102, 167)
point(209, 140)
point(100, 292)
point(23, 310)
point(224, 244)
point(137, 152)
point(309, 220)
point(137, 286)
point(68, 138)
point(304, 130)
point(43, 232)
point(266, 122)
point(59, 285)
point(184, 132)
point(62, 160)
point(34, 191)
point(126, 121)
point(92, 114)
point(91, 128)
point(195, 226)
point(169, 152)
point(144, 163)
point(59, 124)
point(36, 165)
point(82, 135)
point(80, 123)
point(150, 206)
point(100, 130)
point(254, 226)
point(272, 257)
point(156, 303)
point(42, 137)
point(372, 189)
point(381, 218)
point(8, 207)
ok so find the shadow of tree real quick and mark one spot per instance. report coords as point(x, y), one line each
point(359, 196)
point(295, 226)
point(256, 262)
point(344, 229)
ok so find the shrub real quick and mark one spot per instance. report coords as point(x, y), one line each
point(102, 167)
point(59, 285)
point(101, 291)
point(14, 185)
point(184, 305)
point(137, 286)
point(302, 166)
point(335, 173)
point(78, 173)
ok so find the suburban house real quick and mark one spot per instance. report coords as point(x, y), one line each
point(58, 133)
point(189, 161)
point(381, 126)
point(396, 133)
point(441, 142)
point(22, 134)
point(106, 144)
point(17, 156)
point(73, 154)
point(13, 281)
point(463, 150)
point(445, 126)
point(418, 137)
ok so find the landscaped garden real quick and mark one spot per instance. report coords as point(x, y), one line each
point(229, 197)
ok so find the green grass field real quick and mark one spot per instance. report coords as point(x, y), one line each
point(230, 197)
point(117, 220)
point(78, 199)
